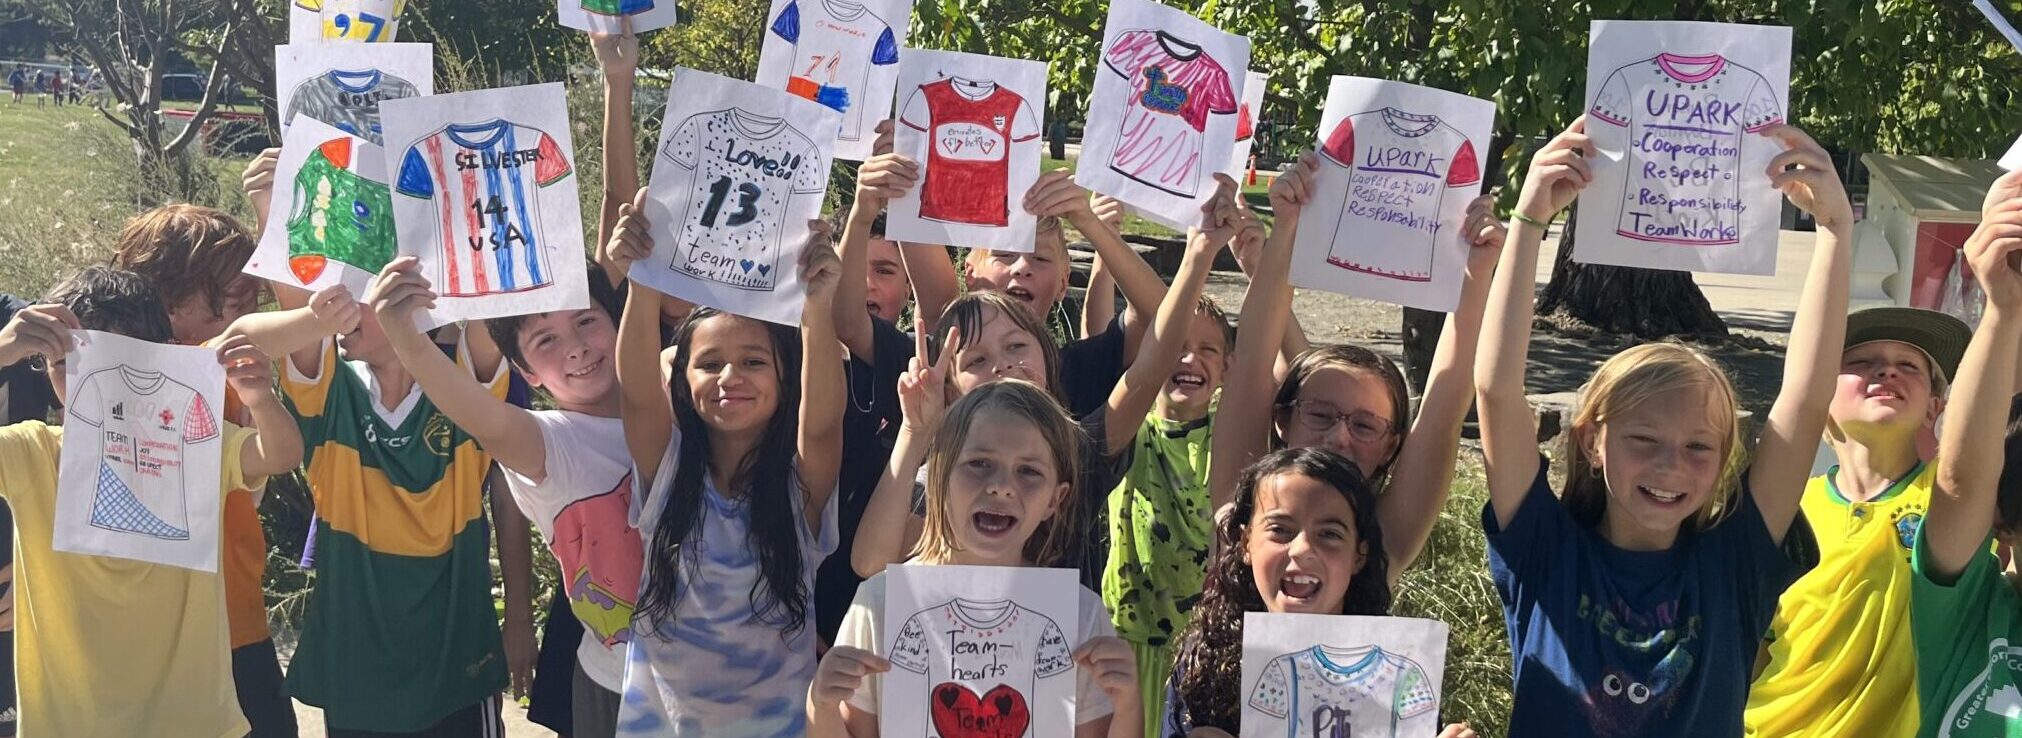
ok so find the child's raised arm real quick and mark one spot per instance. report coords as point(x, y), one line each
point(1508, 425)
point(276, 444)
point(1244, 421)
point(1423, 475)
point(1056, 194)
point(822, 388)
point(1790, 435)
point(889, 528)
point(618, 56)
point(1964, 507)
point(298, 333)
point(646, 411)
point(1098, 303)
point(1135, 393)
point(882, 177)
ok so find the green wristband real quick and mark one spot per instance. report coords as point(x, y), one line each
point(1542, 225)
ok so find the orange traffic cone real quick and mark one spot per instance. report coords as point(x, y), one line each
point(1253, 171)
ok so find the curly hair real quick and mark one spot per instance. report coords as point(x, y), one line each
point(1209, 654)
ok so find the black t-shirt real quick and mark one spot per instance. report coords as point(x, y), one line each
point(25, 394)
point(1091, 367)
point(870, 429)
point(1088, 542)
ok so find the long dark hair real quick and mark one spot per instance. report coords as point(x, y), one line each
point(766, 474)
point(1211, 647)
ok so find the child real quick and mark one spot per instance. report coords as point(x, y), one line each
point(1964, 599)
point(1839, 651)
point(106, 644)
point(1347, 398)
point(997, 495)
point(1635, 604)
point(1302, 536)
point(734, 495)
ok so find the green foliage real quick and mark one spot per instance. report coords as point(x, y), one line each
point(717, 36)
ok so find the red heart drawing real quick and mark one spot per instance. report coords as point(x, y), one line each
point(959, 713)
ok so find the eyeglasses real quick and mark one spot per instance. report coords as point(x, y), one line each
point(1321, 417)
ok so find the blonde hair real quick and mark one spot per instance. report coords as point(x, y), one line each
point(1620, 385)
point(1033, 405)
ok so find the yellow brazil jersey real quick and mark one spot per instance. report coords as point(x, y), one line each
point(1840, 658)
point(356, 20)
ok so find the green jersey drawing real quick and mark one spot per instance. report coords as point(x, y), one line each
point(338, 215)
point(617, 7)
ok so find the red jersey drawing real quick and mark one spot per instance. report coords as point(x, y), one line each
point(1174, 87)
point(970, 126)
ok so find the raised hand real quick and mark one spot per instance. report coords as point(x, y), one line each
point(820, 268)
point(883, 143)
point(398, 291)
point(841, 673)
point(632, 237)
point(923, 389)
point(617, 53)
point(1805, 174)
point(1221, 216)
point(1292, 189)
point(1109, 210)
point(1056, 194)
point(886, 177)
point(249, 372)
point(1457, 730)
point(2006, 187)
point(40, 331)
point(258, 182)
point(336, 311)
point(1995, 252)
point(1482, 229)
point(1558, 172)
point(1114, 668)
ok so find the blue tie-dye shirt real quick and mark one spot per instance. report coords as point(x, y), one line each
point(716, 669)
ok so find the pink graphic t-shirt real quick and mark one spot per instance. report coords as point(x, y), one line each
point(1174, 87)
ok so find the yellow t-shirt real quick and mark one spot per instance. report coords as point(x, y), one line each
point(1841, 662)
point(112, 647)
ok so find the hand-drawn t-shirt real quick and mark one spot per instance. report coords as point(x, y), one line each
point(146, 422)
point(1365, 692)
point(347, 100)
point(835, 44)
point(617, 7)
point(485, 180)
point(1174, 87)
point(1687, 119)
point(970, 127)
point(338, 215)
point(582, 509)
point(743, 170)
point(1608, 641)
point(1400, 167)
point(356, 20)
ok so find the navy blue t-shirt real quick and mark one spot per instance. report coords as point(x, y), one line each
point(1645, 643)
point(870, 430)
point(1091, 367)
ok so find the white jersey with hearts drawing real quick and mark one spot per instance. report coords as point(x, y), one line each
point(982, 660)
point(1686, 120)
point(1400, 166)
point(1367, 692)
point(146, 425)
point(743, 170)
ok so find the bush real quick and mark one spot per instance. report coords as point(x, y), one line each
point(1450, 583)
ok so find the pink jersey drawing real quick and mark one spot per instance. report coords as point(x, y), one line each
point(485, 180)
point(1400, 166)
point(1688, 118)
point(1174, 87)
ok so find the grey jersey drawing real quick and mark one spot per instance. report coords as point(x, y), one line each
point(348, 100)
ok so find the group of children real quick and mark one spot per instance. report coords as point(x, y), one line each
point(722, 495)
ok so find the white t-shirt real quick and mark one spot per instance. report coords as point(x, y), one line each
point(975, 677)
point(583, 510)
point(716, 669)
point(1363, 692)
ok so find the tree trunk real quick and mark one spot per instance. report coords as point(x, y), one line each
point(1645, 303)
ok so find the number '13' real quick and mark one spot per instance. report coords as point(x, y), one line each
point(747, 203)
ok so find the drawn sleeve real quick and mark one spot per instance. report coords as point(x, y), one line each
point(1416, 694)
point(1053, 655)
point(1273, 695)
point(414, 180)
point(916, 115)
point(887, 51)
point(338, 151)
point(1613, 104)
point(1465, 168)
point(808, 178)
point(199, 423)
point(88, 404)
point(681, 146)
point(909, 650)
point(787, 25)
point(314, 6)
point(1024, 125)
point(1760, 109)
point(1125, 57)
point(552, 163)
point(294, 105)
point(1221, 98)
point(1340, 146)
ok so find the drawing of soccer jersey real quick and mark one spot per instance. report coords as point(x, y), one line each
point(617, 7)
point(970, 127)
point(983, 658)
point(338, 215)
point(485, 180)
point(146, 425)
point(1367, 692)
point(1687, 120)
point(744, 170)
point(1175, 86)
point(347, 100)
point(357, 20)
point(1400, 167)
point(835, 45)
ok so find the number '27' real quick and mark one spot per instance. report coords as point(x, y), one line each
point(747, 203)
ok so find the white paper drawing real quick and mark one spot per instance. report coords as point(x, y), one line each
point(1398, 165)
point(1162, 116)
point(1341, 675)
point(485, 193)
point(333, 211)
point(343, 84)
point(841, 53)
point(370, 21)
point(608, 16)
point(1675, 110)
point(139, 469)
point(740, 170)
point(979, 651)
point(1247, 115)
point(2001, 23)
point(973, 123)
point(2012, 160)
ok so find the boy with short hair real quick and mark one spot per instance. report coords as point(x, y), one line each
point(106, 645)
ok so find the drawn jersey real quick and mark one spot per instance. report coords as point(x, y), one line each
point(485, 181)
point(970, 127)
point(983, 660)
point(617, 7)
point(356, 20)
point(744, 170)
point(1400, 166)
point(338, 214)
point(1174, 87)
point(146, 425)
point(348, 100)
point(835, 45)
point(1366, 692)
point(1686, 118)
